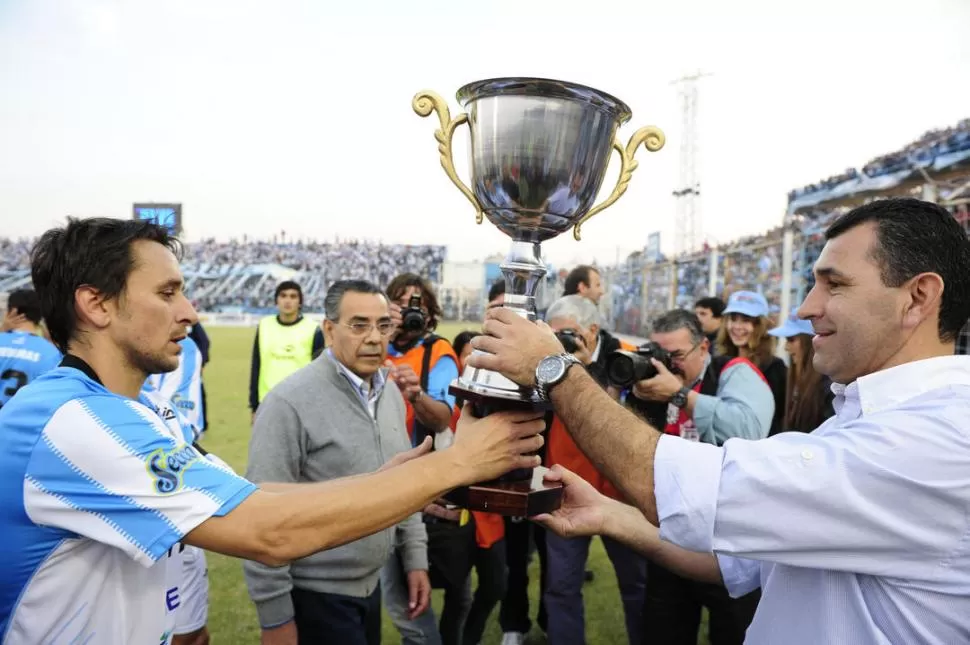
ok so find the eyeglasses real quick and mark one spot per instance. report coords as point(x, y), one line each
point(384, 327)
point(680, 356)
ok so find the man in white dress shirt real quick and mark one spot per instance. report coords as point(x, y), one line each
point(856, 533)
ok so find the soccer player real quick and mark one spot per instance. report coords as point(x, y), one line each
point(24, 353)
point(183, 386)
point(99, 485)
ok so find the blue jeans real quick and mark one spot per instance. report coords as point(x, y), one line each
point(565, 569)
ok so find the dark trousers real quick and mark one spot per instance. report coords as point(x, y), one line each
point(334, 619)
point(565, 569)
point(519, 538)
point(450, 552)
point(490, 566)
point(672, 610)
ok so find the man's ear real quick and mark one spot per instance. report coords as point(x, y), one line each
point(328, 332)
point(925, 298)
point(594, 329)
point(92, 308)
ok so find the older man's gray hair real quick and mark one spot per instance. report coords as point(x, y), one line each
point(577, 308)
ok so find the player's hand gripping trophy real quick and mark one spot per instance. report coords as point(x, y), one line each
point(539, 153)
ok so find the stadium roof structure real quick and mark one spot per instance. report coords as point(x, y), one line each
point(934, 163)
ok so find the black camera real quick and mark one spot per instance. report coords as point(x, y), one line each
point(569, 339)
point(624, 368)
point(412, 317)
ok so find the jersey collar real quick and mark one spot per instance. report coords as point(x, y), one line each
point(70, 360)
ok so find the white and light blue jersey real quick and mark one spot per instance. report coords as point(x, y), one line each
point(96, 491)
point(183, 387)
point(23, 357)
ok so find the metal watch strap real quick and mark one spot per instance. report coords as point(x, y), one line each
point(543, 389)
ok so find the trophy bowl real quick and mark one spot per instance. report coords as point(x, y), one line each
point(539, 151)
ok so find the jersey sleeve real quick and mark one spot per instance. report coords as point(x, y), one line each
point(108, 469)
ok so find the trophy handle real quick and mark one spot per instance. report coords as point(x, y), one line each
point(426, 102)
point(653, 139)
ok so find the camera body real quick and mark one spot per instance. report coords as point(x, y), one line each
point(412, 316)
point(624, 368)
point(569, 339)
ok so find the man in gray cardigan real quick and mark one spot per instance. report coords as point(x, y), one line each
point(339, 416)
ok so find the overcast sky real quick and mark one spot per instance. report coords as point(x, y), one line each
point(261, 116)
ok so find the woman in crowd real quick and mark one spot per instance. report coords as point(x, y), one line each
point(809, 396)
point(745, 334)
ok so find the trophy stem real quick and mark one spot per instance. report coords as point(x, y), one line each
point(523, 269)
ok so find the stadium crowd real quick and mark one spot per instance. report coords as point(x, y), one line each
point(920, 152)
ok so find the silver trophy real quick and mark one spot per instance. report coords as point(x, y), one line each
point(539, 153)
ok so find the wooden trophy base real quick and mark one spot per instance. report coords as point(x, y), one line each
point(522, 498)
point(520, 493)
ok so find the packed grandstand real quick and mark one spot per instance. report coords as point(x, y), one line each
point(238, 276)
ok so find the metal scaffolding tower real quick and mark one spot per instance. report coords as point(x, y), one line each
point(688, 227)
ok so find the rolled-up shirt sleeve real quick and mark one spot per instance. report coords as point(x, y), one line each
point(740, 576)
point(879, 495)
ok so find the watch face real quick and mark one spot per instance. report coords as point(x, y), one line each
point(549, 369)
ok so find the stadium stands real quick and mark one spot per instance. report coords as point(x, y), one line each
point(240, 276)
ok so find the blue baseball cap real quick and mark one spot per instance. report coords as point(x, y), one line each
point(747, 303)
point(793, 327)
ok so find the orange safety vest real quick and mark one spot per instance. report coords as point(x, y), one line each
point(415, 358)
point(562, 450)
point(489, 527)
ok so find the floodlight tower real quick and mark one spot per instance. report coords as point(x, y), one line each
point(688, 226)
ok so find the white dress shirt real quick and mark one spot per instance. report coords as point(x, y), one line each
point(857, 533)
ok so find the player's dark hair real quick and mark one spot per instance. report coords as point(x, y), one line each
point(27, 303)
point(94, 252)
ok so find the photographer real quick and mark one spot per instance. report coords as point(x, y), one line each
point(423, 366)
point(575, 320)
point(424, 363)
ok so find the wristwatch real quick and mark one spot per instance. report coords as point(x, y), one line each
point(679, 398)
point(552, 370)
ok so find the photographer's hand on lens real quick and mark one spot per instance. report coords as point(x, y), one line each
point(491, 446)
point(659, 388)
point(514, 345)
point(395, 313)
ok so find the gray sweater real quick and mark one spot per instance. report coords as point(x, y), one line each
point(313, 427)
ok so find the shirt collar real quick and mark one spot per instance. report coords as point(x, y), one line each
point(596, 352)
point(371, 389)
point(894, 386)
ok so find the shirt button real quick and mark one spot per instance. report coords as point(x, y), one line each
point(807, 454)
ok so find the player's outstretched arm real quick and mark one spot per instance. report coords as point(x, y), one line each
point(277, 527)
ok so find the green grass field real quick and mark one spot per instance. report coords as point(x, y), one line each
point(232, 619)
